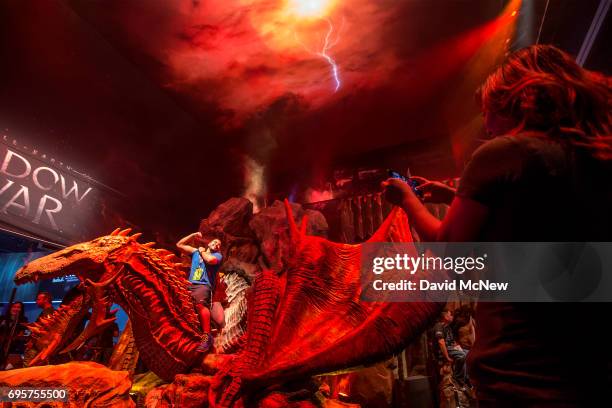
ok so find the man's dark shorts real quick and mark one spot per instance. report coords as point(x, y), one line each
point(201, 294)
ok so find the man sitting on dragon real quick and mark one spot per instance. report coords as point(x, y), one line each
point(205, 263)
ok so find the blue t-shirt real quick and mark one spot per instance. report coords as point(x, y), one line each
point(201, 273)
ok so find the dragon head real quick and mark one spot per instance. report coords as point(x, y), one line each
point(97, 263)
point(87, 260)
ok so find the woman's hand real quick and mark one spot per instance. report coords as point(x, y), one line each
point(434, 191)
point(396, 191)
point(399, 193)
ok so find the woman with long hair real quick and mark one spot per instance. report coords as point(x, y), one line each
point(12, 335)
point(543, 177)
point(16, 312)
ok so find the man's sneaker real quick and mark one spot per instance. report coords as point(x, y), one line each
point(206, 343)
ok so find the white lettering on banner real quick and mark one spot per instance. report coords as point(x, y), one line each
point(7, 160)
point(23, 191)
point(37, 182)
point(6, 186)
point(57, 189)
point(74, 188)
point(49, 212)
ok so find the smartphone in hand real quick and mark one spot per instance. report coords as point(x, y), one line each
point(412, 183)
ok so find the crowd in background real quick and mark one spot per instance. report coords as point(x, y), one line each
point(18, 347)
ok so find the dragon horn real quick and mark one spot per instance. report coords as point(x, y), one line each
point(136, 236)
point(116, 231)
point(97, 322)
point(125, 232)
point(293, 231)
point(149, 244)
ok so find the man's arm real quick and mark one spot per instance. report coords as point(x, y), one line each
point(210, 259)
point(442, 345)
point(182, 244)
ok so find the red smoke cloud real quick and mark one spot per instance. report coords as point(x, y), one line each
point(243, 55)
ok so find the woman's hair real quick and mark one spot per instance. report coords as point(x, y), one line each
point(541, 88)
point(22, 316)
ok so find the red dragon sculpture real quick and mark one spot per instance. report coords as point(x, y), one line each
point(304, 319)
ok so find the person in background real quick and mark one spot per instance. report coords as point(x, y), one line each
point(543, 177)
point(203, 276)
point(15, 314)
point(106, 339)
point(13, 336)
point(464, 327)
point(449, 348)
point(43, 301)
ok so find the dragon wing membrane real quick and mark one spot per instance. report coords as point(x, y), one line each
point(321, 325)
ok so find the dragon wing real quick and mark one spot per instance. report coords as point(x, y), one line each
point(311, 320)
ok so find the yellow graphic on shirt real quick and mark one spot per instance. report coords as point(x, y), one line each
point(197, 274)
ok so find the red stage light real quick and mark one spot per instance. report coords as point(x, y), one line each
point(514, 13)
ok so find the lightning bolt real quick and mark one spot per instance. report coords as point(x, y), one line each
point(329, 42)
point(327, 45)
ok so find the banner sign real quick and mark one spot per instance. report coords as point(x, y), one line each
point(45, 197)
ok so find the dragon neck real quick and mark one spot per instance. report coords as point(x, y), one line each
point(155, 295)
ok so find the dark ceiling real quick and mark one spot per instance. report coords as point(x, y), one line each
point(163, 100)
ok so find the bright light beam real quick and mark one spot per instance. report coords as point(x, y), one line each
point(310, 8)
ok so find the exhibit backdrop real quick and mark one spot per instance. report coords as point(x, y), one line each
point(48, 198)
